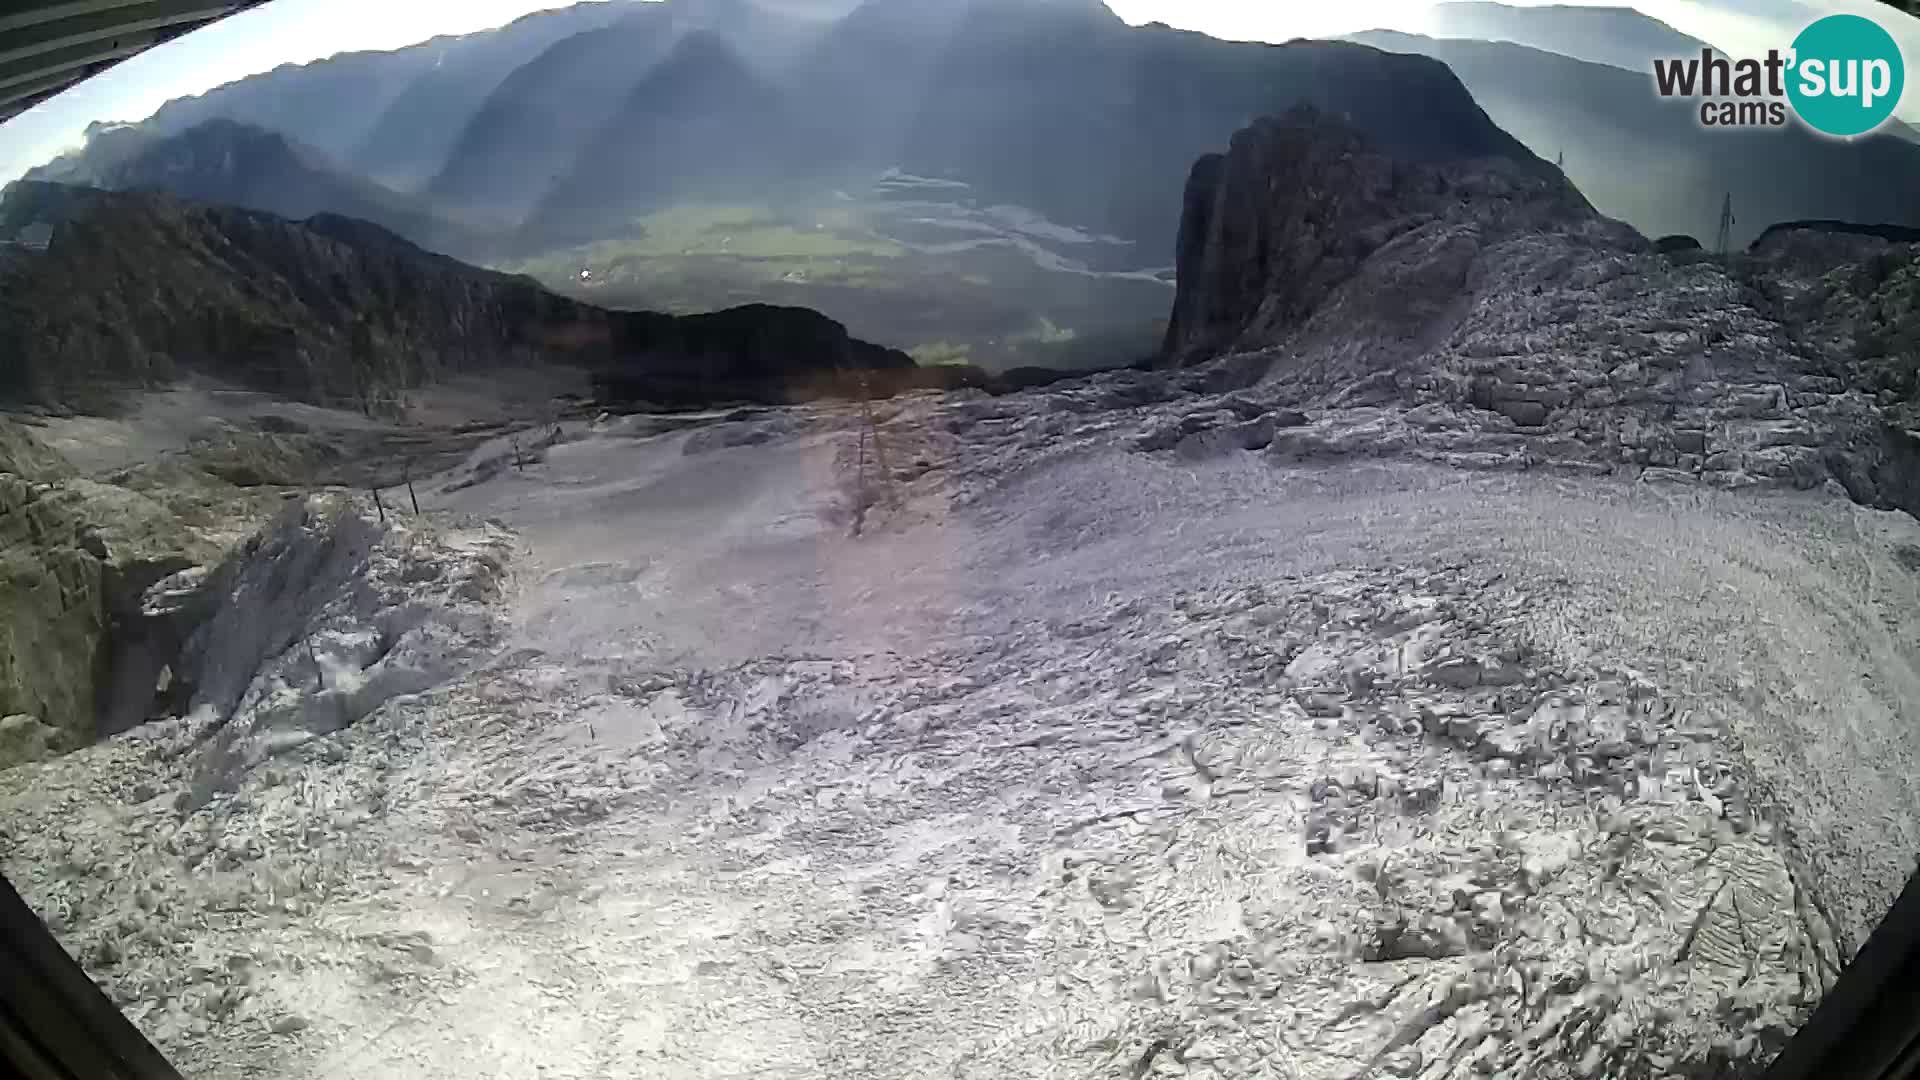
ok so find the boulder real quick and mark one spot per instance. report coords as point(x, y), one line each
point(23, 739)
point(1523, 413)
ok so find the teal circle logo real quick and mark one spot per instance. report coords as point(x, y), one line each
point(1847, 75)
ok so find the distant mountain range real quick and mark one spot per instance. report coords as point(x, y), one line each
point(1618, 36)
point(570, 127)
point(391, 116)
point(1055, 105)
point(227, 162)
point(701, 121)
point(139, 288)
point(1091, 121)
point(1648, 161)
point(526, 132)
point(412, 137)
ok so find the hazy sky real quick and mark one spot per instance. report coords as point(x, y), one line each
point(296, 31)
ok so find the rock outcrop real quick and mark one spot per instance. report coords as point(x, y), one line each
point(1779, 232)
point(1303, 205)
point(322, 617)
point(116, 607)
point(136, 288)
point(1478, 315)
point(76, 557)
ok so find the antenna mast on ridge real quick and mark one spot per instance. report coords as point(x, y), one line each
point(1726, 225)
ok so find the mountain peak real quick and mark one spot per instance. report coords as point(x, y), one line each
point(702, 64)
point(1096, 10)
point(701, 46)
point(1617, 36)
point(701, 120)
point(1310, 200)
point(123, 156)
point(222, 160)
point(221, 130)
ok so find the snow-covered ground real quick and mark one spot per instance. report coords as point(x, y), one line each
point(1076, 762)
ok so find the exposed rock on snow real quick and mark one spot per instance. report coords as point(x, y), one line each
point(320, 620)
point(177, 829)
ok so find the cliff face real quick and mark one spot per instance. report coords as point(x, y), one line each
point(1849, 295)
point(76, 557)
point(135, 288)
point(1303, 204)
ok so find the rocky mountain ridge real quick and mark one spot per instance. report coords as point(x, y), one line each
point(387, 115)
point(526, 131)
point(416, 130)
point(1469, 315)
point(1617, 36)
point(528, 117)
point(1013, 99)
point(701, 120)
point(1300, 204)
point(236, 164)
point(136, 288)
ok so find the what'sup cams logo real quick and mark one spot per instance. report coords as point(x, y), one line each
point(1843, 77)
